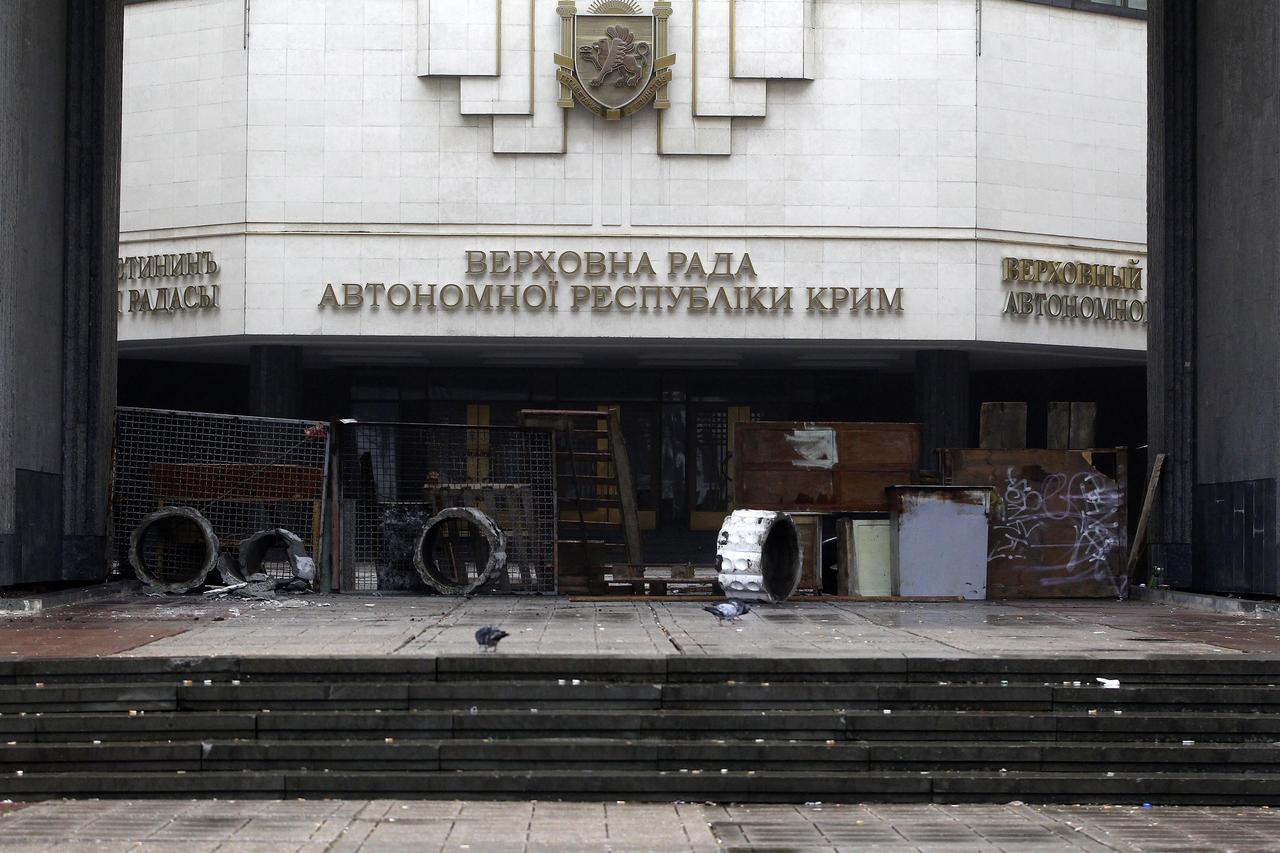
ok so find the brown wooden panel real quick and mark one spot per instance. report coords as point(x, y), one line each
point(822, 466)
point(236, 482)
point(1002, 426)
point(809, 526)
point(1059, 523)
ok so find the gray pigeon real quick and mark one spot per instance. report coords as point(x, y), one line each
point(729, 611)
point(489, 636)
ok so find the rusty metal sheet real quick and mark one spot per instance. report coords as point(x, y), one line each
point(822, 466)
point(939, 540)
point(1059, 521)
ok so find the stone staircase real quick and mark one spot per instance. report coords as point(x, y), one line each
point(1176, 730)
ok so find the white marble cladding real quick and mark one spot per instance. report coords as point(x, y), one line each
point(774, 39)
point(458, 37)
point(869, 143)
point(184, 114)
point(273, 285)
point(1062, 130)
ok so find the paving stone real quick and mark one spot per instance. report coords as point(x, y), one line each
point(938, 633)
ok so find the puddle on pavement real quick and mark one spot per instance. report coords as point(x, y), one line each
point(956, 619)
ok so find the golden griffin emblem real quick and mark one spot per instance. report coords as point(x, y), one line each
point(617, 51)
point(613, 58)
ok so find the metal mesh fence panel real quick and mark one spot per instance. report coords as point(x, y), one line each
point(243, 474)
point(395, 477)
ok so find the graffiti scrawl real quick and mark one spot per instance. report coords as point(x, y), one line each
point(1086, 503)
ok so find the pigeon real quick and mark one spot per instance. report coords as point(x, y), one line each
point(729, 611)
point(488, 637)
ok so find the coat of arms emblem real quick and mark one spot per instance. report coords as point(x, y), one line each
point(614, 57)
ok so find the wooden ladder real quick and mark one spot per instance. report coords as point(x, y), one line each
point(598, 529)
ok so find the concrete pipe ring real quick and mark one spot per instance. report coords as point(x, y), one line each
point(173, 549)
point(254, 550)
point(486, 543)
point(758, 555)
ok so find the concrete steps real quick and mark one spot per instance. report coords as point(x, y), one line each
point(1177, 730)
point(615, 754)
point(665, 786)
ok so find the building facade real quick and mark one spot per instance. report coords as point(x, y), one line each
point(1213, 393)
point(702, 211)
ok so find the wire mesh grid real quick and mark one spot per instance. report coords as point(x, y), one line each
point(395, 477)
point(243, 474)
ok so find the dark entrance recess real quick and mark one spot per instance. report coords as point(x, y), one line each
point(678, 423)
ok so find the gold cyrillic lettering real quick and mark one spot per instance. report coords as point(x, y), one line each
point(1009, 269)
point(890, 303)
point(544, 263)
point(329, 299)
point(725, 258)
point(722, 295)
point(392, 290)
point(480, 298)
point(448, 290)
point(527, 294)
point(562, 266)
point(695, 263)
point(697, 295)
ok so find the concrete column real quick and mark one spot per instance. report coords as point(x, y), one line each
point(942, 402)
point(1171, 273)
point(275, 381)
point(60, 77)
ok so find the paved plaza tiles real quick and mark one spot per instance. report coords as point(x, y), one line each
point(413, 625)
point(337, 826)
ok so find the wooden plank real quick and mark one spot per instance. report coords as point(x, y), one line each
point(1144, 517)
point(844, 554)
point(1058, 433)
point(1072, 426)
point(626, 488)
point(1084, 425)
point(823, 467)
point(809, 526)
point(1058, 525)
point(1003, 426)
point(241, 481)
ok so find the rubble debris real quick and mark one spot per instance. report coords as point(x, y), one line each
point(222, 590)
point(254, 551)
